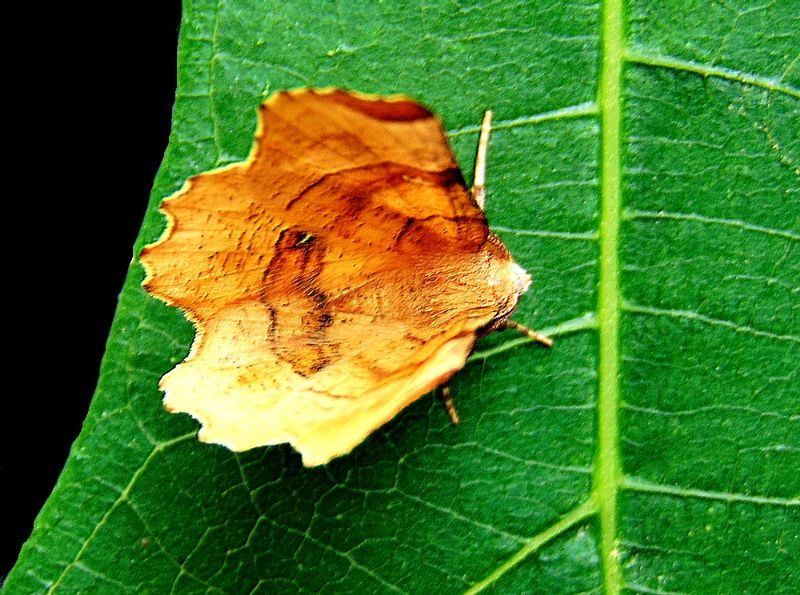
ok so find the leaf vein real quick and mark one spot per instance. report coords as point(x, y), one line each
point(632, 214)
point(566, 522)
point(636, 484)
point(213, 112)
point(579, 110)
point(607, 463)
point(460, 517)
point(584, 322)
point(708, 409)
point(695, 316)
point(540, 233)
point(739, 76)
point(119, 501)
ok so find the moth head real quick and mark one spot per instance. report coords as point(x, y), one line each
point(506, 281)
point(520, 278)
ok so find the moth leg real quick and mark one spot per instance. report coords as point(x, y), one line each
point(530, 333)
point(479, 179)
point(449, 405)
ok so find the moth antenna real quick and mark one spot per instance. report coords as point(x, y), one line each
point(530, 333)
point(449, 405)
point(479, 180)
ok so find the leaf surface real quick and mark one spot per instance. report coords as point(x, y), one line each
point(645, 168)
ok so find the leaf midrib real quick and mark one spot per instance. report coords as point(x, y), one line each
point(607, 467)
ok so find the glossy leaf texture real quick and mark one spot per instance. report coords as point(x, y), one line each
point(645, 169)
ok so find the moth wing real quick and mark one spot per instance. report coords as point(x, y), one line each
point(247, 394)
point(325, 162)
point(267, 258)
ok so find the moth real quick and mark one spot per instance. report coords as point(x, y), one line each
point(338, 274)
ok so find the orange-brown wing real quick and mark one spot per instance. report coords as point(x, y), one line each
point(335, 276)
point(375, 171)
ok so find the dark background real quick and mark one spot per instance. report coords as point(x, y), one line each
point(94, 101)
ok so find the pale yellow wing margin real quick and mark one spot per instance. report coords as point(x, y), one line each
point(245, 395)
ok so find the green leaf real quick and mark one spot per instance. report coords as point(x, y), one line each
point(645, 168)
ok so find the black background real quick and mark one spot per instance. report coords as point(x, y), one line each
point(93, 98)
